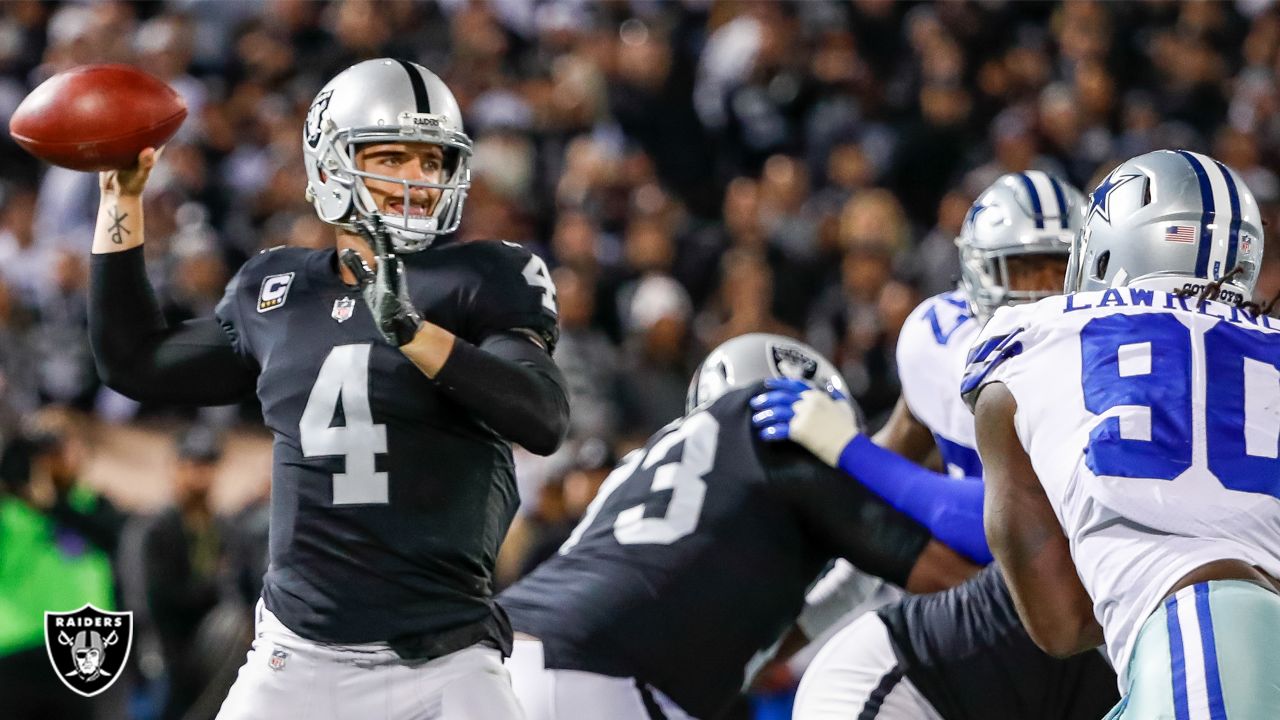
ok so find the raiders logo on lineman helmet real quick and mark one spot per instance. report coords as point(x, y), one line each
point(89, 647)
point(750, 358)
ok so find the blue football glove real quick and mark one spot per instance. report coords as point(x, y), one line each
point(797, 411)
point(826, 426)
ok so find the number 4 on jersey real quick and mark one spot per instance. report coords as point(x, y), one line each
point(345, 375)
point(537, 275)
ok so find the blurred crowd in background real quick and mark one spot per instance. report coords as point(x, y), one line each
point(691, 169)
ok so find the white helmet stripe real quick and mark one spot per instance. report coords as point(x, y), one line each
point(1222, 218)
point(1037, 208)
point(1050, 208)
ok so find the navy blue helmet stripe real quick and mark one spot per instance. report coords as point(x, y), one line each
point(1035, 200)
point(420, 98)
point(1206, 215)
point(1062, 201)
point(1233, 239)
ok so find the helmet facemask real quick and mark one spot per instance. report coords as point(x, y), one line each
point(336, 154)
point(1020, 216)
point(988, 281)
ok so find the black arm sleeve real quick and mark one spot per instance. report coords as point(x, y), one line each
point(139, 355)
point(851, 520)
point(513, 386)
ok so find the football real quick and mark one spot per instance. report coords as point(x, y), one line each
point(97, 117)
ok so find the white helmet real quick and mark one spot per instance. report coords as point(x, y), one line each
point(1173, 219)
point(1027, 213)
point(748, 359)
point(385, 101)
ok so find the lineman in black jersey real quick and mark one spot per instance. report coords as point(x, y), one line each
point(696, 555)
point(968, 654)
point(394, 382)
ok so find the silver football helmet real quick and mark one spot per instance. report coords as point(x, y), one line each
point(1172, 219)
point(385, 101)
point(1027, 213)
point(747, 359)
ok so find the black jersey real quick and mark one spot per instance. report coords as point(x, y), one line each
point(697, 553)
point(969, 655)
point(388, 499)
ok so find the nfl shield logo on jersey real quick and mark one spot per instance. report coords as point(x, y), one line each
point(792, 362)
point(278, 659)
point(89, 647)
point(343, 307)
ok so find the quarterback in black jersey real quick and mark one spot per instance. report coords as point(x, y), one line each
point(696, 555)
point(394, 377)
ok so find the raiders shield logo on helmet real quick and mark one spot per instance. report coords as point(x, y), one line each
point(89, 647)
point(792, 362)
point(314, 125)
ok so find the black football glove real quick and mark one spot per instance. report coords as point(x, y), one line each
point(384, 290)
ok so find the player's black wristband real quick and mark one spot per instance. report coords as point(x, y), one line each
point(513, 386)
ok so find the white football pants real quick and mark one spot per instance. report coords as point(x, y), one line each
point(574, 695)
point(287, 676)
point(856, 676)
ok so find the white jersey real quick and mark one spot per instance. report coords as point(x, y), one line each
point(931, 360)
point(1154, 427)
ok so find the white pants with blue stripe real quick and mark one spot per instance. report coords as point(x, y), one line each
point(1209, 652)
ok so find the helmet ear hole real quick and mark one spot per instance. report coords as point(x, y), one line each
point(1100, 267)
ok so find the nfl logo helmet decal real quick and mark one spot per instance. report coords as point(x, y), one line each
point(88, 647)
point(343, 307)
point(790, 361)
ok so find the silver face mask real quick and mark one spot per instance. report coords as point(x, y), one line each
point(1020, 214)
point(385, 101)
point(1170, 219)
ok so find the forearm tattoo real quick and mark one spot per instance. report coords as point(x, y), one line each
point(117, 225)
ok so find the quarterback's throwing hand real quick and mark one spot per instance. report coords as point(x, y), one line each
point(384, 289)
point(795, 410)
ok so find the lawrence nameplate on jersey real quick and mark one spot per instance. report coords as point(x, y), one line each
point(89, 647)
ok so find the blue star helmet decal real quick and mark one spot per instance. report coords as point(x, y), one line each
point(1100, 198)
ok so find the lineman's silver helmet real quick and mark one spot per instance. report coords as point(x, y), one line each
point(748, 359)
point(1027, 213)
point(385, 101)
point(1172, 219)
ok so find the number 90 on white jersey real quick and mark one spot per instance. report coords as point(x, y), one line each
point(1153, 424)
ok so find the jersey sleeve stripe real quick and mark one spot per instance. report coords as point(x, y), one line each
point(1206, 215)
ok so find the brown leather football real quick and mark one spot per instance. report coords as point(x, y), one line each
point(97, 117)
